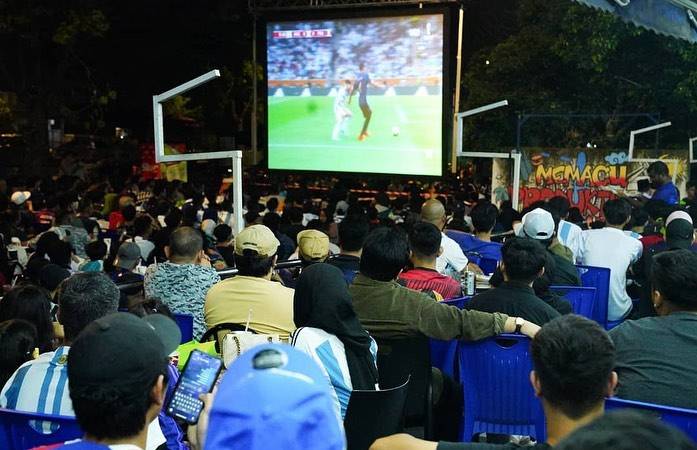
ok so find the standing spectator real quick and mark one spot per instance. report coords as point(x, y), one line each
point(611, 247)
point(452, 260)
point(655, 355)
point(41, 385)
point(17, 344)
point(183, 282)
point(662, 183)
point(271, 303)
point(568, 234)
point(353, 231)
point(33, 304)
point(424, 240)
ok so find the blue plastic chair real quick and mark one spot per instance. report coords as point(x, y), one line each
point(488, 265)
point(599, 278)
point(444, 353)
point(582, 299)
point(497, 391)
point(16, 433)
point(186, 326)
point(460, 302)
point(684, 419)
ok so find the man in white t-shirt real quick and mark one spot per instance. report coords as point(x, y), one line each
point(452, 261)
point(611, 247)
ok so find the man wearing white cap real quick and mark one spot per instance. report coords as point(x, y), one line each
point(611, 247)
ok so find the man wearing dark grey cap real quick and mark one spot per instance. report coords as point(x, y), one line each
point(117, 372)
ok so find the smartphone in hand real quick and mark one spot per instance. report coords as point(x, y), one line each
point(198, 377)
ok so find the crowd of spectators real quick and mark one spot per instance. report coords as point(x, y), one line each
point(92, 278)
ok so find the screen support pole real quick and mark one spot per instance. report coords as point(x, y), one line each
point(458, 68)
point(254, 92)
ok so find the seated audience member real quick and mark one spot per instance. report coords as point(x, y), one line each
point(661, 181)
point(116, 218)
point(353, 230)
point(71, 230)
point(523, 262)
point(452, 261)
point(183, 281)
point(51, 276)
point(287, 247)
point(224, 243)
point(294, 216)
point(572, 374)
point(82, 298)
point(655, 355)
point(271, 397)
point(611, 247)
point(387, 309)
point(271, 303)
point(691, 200)
point(115, 404)
point(313, 247)
point(483, 217)
point(329, 331)
point(128, 257)
point(161, 237)
point(568, 233)
point(96, 252)
point(33, 304)
point(142, 231)
point(539, 224)
point(424, 240)
point(627, 430)
point(18, 341)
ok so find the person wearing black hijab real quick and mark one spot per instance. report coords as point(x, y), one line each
point(330, 332)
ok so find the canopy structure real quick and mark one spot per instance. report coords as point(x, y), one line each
point(677, 18)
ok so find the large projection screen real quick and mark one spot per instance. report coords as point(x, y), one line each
point(356, 94)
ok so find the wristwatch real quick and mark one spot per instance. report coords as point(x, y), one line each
point(519, 322)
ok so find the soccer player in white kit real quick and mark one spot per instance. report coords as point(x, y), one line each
point(341, 111)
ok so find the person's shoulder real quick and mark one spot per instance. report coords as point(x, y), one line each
point(632, 329)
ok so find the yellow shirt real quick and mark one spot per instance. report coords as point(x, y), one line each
point(271, 304)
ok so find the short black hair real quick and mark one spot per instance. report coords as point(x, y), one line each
point(83, 298)
point(560, 204)
point(272, 204)
point(142, 225)
point(173, 218)
point(353, 231)
point(185, 242)
point(424, 240)
point(295, 214)
point(523, 259)
point(385, 254)
point(222, 232)
point(658, 168)
point(484, 216)
point(626, 430)
point(573, 358)
point(112, 411)
point(617, 211)
point(272, 221)
point(95, 250)
point(33, 304)
point(18, 339)
point(673, 275)
point(60, 253)
point(129, 213)
point(251, 264)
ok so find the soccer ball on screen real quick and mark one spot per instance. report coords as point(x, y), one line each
point(395, 131)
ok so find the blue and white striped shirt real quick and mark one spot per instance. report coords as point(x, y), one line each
point(329, 354)
point(41, 386)
point(569, 235)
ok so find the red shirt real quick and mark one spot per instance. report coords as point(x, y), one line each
point(430, 280)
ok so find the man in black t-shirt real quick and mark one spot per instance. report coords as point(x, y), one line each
point(573, 358)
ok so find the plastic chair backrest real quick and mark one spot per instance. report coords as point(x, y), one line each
point(374, 414)
point(186, 326)
point(599, 278)
point(498, 397)
point(488, 265)
point(444, 353)
point(17, 433)
point(684, 419)
point(399, 359)
point(460, 302)
point(582, 299)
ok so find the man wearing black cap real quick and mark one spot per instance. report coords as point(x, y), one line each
point(117, 371)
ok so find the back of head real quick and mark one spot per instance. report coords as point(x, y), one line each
point(433, 211)
point(353, 231)
point(658, 168)
point(617, 211)
point(129, 213)
point(385, 253)
point(523, 259)
point(185, 243)
point(313, 246)
point(60, 253)
point(573, 358)
point(255, 251)
point(33, 304)
point(222, 233)
point(484, 216)
point(272, 204)
point(142, 226)
point(18, 338)
point(673, 275)
point(274, 396)
point(173, 218)
point(95, 250)
point(626, 430)
point(560, 204)
point(424, 240)
point(272, 221)
point(83, 298)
